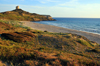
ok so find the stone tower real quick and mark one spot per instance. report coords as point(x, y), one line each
point(17, 7)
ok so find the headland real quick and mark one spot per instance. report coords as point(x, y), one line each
point(19, 14)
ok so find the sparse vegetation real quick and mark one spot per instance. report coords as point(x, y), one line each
point(19, 14)
point(26, 47)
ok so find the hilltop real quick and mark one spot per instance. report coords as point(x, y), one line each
point(42, 48)
point(19, 14)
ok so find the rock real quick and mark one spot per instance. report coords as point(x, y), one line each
point(19, 36)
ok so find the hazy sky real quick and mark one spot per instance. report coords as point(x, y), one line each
point(56, 8)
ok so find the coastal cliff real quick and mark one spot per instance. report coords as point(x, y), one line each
point(19, 14)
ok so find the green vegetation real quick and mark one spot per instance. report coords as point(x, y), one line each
point(22, 46)
point(84, 42)
point(19, 14)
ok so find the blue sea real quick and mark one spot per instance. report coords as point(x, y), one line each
point(91, 25)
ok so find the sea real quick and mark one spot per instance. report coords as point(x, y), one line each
point(91, 25)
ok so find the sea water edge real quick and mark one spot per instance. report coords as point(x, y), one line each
point(90, 25)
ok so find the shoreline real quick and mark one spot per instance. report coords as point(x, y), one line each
point(55, 29)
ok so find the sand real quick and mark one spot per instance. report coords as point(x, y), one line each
point(50, 28)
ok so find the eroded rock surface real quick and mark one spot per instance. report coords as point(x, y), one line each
point(19, 36)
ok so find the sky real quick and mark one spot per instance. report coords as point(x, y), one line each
point(56, 8)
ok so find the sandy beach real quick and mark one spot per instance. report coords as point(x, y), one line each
point(50, 28)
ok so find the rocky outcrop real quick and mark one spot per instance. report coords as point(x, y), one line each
point(19, 36)
point(48, 17)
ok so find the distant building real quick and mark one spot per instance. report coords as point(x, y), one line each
point(17, 7)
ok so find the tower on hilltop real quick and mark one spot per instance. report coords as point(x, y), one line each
point(17, 7)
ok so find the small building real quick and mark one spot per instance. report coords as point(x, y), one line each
point(17, 7)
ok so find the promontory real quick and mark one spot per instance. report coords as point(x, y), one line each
point(19, 14)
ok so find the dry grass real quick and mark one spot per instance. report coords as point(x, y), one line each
point(47, 49)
